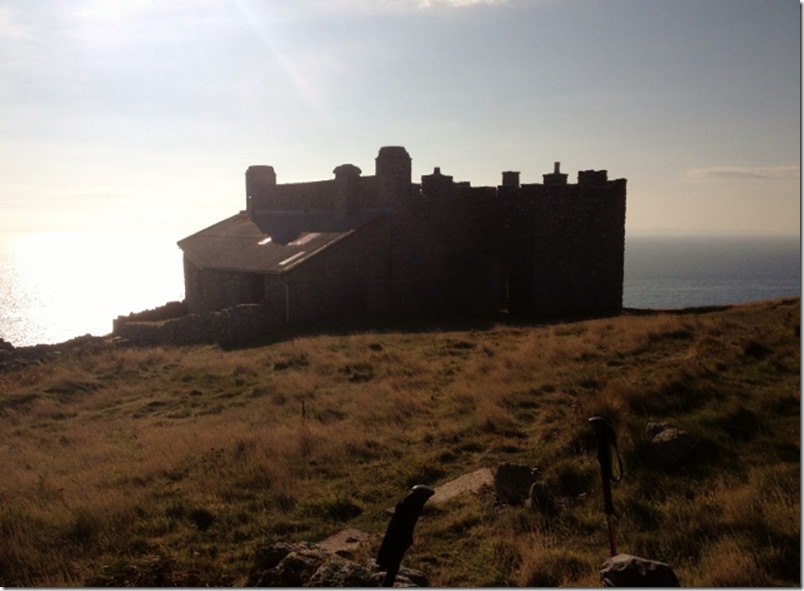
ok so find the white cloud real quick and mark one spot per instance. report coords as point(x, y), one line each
point(456, 3)
point(112, 10)
point(744, 172)
point(381, 5)
point(8, 22)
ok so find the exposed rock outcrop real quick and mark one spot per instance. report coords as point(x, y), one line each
point(668, 446)
point(12, 357)
point(626, 570)
point(512, 483)
point(309, 565)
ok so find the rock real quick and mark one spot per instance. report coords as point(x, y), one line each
point(300, 565)
point(409, 577)
point(269, 568)
point(343, 573)
point(309, 565)
point(12, 358)
point(473, 482)
point(512, 483)
point(626, 570)
point(654, 428)
point(668, 446)
point(269, 556)
point(346, 542)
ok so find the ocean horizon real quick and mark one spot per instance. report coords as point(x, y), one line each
point(690, 271)
point(60, 285)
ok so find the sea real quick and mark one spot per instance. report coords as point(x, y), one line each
point(58, 285)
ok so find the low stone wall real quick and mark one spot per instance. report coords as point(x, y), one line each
point(165, 312)
point(232, 327)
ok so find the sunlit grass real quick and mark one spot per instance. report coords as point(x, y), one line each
point(171, 465)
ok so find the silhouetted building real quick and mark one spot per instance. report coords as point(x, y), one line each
point(375, 247)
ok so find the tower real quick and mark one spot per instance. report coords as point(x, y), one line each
point(393, 170)
point(260, 178)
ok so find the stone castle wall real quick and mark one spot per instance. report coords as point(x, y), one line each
point(349, 281)
point(232, 327)
point(553, 249)
point(208, 290)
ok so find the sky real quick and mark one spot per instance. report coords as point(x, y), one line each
point(143, 115)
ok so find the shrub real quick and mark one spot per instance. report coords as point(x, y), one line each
point(202, 518)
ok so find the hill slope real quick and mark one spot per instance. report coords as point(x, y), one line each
point(123, 464)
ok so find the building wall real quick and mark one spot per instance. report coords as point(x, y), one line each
point(349, 281)
point(578, 248)
point(326, 195)
point(444, 260)
point(207, 290)
point(536, 250)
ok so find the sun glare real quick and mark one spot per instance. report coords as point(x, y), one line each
point(80, 282)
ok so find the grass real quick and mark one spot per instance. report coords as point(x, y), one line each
point(170, 466)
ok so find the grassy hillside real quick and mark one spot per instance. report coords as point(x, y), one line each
point(119, 463)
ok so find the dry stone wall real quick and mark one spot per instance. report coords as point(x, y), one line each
point(232, 327)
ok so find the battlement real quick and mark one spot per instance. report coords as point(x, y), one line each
point(381, 245)
point(391, 187)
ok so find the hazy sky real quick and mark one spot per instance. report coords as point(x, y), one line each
point(144, 115)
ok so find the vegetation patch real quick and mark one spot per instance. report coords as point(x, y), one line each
point(296, 361)
point(358, 372)
point(170, 466)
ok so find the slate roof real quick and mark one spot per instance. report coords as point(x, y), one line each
point(272, 242)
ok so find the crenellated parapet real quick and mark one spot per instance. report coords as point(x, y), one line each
point(544, 249)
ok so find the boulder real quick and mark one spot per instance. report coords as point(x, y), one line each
point(668, 446)
point(286, 565)
point(626, 570)
point(344, 573)
point(309, 565)
point(269, 556)
point(512, 483)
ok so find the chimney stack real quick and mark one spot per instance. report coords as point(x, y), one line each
point(347, 184)
point(556, 177)
point(260, 178)
point(510, 178)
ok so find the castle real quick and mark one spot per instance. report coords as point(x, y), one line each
point(366, 248)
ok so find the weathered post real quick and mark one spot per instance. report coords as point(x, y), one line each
point(399, 535)
point(606, 439)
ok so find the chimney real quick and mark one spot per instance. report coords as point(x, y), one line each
point(437, 185)
point(260, 179)
point(393, 170)
point(556, 177)
point(347, 184)
point(592, 177)
point(510, 179)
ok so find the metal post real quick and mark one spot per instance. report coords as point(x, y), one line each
point(399, 535)
point(606, 439)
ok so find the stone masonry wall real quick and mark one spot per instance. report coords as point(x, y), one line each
point(232, 327)
point(313, 196)
point(214, 289)
point(578, 248)
point(349, 280)
point(553, 249)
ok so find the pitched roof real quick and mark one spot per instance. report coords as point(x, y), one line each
point(272, 242)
